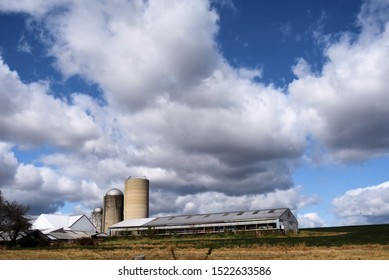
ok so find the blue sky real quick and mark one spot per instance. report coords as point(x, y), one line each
point(273, 34)
point(222, 105)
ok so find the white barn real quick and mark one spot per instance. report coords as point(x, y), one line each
point(64, 227)
point(254, 220)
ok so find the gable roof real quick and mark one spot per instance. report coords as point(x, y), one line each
point(49, 222)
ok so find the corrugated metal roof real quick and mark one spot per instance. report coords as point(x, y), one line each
point(218, 217)
point(67, 235)
point(132, 223)
point(223, 217)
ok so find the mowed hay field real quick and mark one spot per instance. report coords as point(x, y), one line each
point(338, 243)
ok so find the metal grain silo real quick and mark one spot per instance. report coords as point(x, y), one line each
point(136, 198)
point(113, 208)
point(97, 218)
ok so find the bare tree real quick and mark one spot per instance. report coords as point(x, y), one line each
point(13, 220)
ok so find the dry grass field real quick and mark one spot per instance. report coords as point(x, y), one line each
point(343, 243)
point(301, 252)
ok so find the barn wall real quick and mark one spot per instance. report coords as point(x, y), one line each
point(289, 221)
point(84, 224)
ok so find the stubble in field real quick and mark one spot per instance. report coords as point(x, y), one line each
point(255, 252)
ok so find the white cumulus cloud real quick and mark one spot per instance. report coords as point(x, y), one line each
point(310, 220)
point(31, 117)
point(364, 205)
point(345, 105)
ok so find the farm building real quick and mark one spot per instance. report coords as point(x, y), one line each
point(254, 220)
point(60, 227)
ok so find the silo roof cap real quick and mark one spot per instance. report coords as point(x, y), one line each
point(114, 191)
point(98, 210)
point(136, 177)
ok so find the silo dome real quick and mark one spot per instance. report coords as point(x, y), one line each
point(114, 191)
point(98, 210)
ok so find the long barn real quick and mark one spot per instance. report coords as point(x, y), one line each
point(238, 221)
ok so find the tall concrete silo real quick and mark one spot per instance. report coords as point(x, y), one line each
point(113, 208)
point(97, 218)
point(136, 198)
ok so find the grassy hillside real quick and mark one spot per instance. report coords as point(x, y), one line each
point(348, 235)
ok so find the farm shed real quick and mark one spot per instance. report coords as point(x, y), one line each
point(253, 220)
point(64, 227)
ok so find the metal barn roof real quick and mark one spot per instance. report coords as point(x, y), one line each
point(67, 235)
point(132, 223)
point(48, 223)
point(223, 217)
